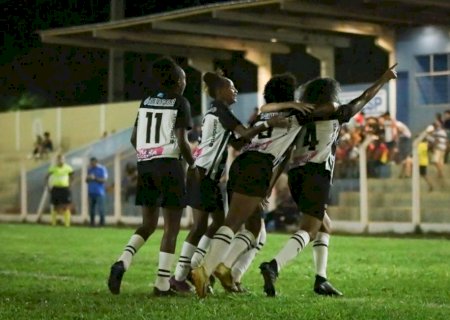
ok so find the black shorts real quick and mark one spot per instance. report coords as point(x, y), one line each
point(423, 170)
point(204, 195)
point(60, 196)
point(161, 184)
point(250, 174)
point(310, 188)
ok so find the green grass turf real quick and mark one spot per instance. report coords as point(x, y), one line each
point(58, 273)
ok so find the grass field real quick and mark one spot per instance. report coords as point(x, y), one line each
point(59, 273)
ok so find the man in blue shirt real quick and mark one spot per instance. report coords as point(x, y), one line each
point(96, 178)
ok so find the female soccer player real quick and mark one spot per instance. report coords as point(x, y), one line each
point(159, 137)
point(310, 178)
point(205, 197)
point(250, 176)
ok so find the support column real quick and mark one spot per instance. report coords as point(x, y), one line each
point(203, 64)
point(263, 61)
point(326, 56)
point(116, 59)
point(386, 41)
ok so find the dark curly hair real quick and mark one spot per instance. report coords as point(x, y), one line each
point(280, 88)
point(165, 74)
point(214, 80)
point(320, 90)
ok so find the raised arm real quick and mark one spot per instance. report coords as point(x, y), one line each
point(356, 105)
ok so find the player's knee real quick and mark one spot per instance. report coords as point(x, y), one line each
point(144, 232)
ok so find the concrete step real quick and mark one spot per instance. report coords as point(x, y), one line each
point(392, 214)
point(396, 169)
point(395, 199)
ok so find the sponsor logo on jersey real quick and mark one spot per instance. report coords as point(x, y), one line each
point(159, 102)
point(197, 152)
point(302, 159)
point(146, 154)
point(258, 146)
point(214, 133)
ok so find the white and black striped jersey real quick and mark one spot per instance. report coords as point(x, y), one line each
point(317, 140)
point(218, 125)
point(158, 117)
point(316, 143)
point(275, 141)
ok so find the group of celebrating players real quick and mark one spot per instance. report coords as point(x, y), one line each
point(294, 136)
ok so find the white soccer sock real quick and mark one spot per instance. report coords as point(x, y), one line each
point(242, 242)
point(245, 259)
point(200, 252)
point(293, 247)
point(133, 246)
point(219, 247)
point(320, 253)
point(164, 266)
point(184, 262)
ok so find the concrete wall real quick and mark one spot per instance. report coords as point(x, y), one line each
point(76, 126)
point(69, 127)
point(410, 43)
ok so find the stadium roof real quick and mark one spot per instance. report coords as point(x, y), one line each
point(269, 25)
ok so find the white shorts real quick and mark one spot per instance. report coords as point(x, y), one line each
point(438, 156)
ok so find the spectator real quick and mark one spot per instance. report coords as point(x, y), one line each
point(360, 119)
point(423, 162)
point(129, 182)
point(446, 125)
point(59, 179)
point(96, 178)
point(47, 144)
point(286, 212)
point(390, 134)
point(37, 147)
point(377, 158)
point(404, 141)
point(438, 140)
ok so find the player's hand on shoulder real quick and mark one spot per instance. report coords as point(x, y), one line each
point(278, 122)
point(304, 108)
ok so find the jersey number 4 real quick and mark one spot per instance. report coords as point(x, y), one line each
point(311, 137)
point(158, 118)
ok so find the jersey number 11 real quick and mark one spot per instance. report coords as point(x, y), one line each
point(158, 118)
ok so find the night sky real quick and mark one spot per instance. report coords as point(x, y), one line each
point(56, 75)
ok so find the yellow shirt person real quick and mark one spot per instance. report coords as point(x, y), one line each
point(59, 177)
point(422, 150)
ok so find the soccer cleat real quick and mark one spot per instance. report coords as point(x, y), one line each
point(200, 280)
point(162, 293)
point(323, 287)
point(238, 288)
point(115, 277)
point(180, 286)
point(270, 274)
point(223, 273)
point(212, 282)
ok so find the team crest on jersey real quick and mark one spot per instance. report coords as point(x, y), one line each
point(146, 154)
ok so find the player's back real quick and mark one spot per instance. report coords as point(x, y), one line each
point(316, 143)
point(275, 141)
point(156, 120)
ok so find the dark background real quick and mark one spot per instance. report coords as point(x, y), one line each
point(34, 74)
